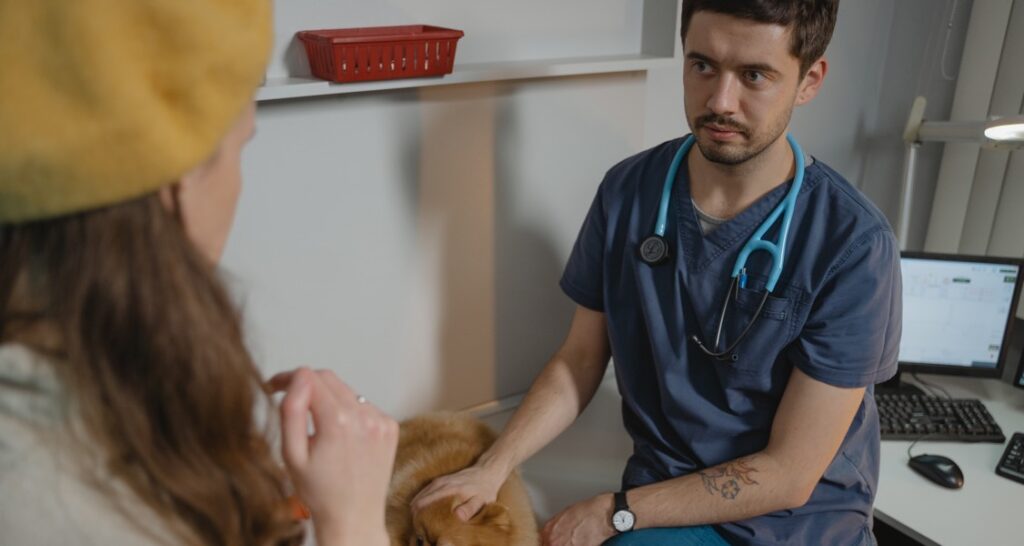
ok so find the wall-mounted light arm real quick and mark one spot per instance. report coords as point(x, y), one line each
point(1002, 133)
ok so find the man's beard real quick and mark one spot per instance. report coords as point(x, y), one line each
point(733, 155)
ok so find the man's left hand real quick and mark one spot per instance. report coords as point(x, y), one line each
point(586, 523)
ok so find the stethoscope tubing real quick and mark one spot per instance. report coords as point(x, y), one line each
point(785, 210)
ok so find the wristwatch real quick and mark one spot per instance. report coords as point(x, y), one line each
point(623, 519)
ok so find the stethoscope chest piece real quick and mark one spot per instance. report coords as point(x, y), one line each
point(654, 250)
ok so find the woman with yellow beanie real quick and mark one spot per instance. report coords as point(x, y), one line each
point(128, 401)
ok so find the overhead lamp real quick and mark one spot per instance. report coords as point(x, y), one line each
point(1000, 133)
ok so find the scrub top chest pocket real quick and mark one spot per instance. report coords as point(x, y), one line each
point(769, 334)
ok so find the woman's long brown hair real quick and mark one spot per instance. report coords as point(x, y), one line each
point(151, 349)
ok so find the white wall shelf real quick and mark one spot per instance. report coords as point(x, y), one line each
point(294, 88)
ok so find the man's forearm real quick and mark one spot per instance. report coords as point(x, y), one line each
point(740, 489)
point(556, 398)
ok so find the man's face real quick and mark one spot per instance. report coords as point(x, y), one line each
point(740, 85)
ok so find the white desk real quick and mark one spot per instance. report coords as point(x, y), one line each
point(988, 510)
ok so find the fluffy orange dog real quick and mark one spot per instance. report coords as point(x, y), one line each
point(439, 444)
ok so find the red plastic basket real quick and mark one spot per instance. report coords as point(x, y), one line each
point(380, 53)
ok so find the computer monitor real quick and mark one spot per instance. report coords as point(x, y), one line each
point(1018, 380)
point(957, 314)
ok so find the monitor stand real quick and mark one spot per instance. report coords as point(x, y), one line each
point(896, 385)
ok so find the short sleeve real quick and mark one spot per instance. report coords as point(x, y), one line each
point(583, 278)
point(852, 334)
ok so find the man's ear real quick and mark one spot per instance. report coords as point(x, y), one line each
point(812, 81)
point(494, 515)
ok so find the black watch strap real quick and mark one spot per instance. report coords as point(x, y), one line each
point(620, 501)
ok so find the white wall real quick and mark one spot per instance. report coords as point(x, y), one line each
point(412, 240)
point(978, 200)
point(926, 43)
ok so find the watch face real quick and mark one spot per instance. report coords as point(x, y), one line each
point(623, 520)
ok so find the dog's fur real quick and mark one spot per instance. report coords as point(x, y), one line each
point(435, 445)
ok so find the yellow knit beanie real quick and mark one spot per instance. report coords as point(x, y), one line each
point(105, 100)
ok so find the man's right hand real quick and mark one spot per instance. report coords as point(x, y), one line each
point(556, 398)
point(474, 487)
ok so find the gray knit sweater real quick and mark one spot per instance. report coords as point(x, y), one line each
point(53, 490)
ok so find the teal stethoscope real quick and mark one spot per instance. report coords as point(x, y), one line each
point(654, 249)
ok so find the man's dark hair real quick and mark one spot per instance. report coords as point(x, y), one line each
point(811, 21)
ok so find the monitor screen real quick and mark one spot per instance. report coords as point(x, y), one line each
point(1018, 379)
point(957, 312)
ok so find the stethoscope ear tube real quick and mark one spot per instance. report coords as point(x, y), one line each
point(729, 352)
point(717, 356)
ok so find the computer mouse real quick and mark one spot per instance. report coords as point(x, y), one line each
point(939, 469)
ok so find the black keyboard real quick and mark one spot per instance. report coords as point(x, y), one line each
point(930, 418)
point(1011, 465)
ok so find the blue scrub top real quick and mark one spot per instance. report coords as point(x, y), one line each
point(835, 315)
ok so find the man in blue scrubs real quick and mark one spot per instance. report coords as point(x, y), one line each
point(778, 442)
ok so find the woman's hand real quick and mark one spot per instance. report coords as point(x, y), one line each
point(341, 471)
